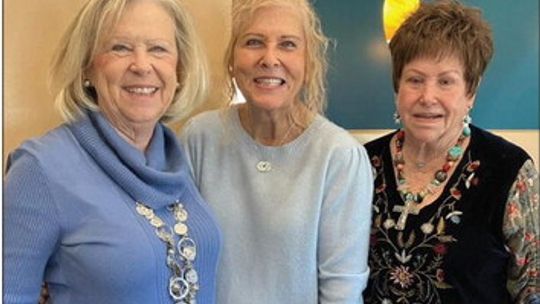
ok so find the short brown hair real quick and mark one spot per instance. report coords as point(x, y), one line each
point(78, 47)
point(444, 28)
point(313, 94)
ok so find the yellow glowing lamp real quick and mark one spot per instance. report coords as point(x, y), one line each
point(394, 14)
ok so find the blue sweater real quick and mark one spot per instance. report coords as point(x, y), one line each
point(297, 233)
point(70, 218)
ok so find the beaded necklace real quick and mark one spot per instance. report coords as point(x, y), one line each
point(412, 200)
point(183, 283)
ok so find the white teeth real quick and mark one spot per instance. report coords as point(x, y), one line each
point(269, 81)
point(428, 115)
point(142, 91)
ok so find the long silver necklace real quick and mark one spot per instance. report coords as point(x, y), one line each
point(183, 283)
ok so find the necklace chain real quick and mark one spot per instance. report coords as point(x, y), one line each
point(413, 199)
point(183, 283)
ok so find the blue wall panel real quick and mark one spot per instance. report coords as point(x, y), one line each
point(360, 87)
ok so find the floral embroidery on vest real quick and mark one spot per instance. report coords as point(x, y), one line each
point(407, 266)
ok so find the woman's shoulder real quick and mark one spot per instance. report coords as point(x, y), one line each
point(376, 145)
point(55, 147)
point(331, 134)
point(497, 146)
point(208, 121)
point(54, 142)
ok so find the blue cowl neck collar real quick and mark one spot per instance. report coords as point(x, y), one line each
point(156, 178)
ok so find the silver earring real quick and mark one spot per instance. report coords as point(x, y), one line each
point(86, 83)
point(397, 118)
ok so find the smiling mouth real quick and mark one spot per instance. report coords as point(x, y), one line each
point(144, 91)
point(269, 82)
point(428, 116)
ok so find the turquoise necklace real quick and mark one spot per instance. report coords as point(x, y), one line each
point(413, 199)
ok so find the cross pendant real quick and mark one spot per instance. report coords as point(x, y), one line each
point(409, 208)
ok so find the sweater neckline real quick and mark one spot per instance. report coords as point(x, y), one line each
point(234, 116)
point(156, 178)
point(267, 156)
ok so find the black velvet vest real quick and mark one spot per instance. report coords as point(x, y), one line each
point(475, 265)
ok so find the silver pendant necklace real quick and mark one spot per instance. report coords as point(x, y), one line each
point(183, 283)
point(265, 165)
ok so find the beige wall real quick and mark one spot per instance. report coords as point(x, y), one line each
point(32, 29)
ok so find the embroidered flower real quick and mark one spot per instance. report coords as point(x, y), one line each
point(389, 223)
point(440, 249)
point(455, 219)
point(427, 228)
point(521, 186)
point(473, 166)
point(376, 161)
point(454, 216)
point(401, 275)
point(439, 274)
point(455, 193)
point(529, 237)
point(512, 210)
point(386, 301)
point(522, 261)
point(534, 273)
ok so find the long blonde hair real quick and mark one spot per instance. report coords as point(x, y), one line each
point(314, 92)
point(81, 40)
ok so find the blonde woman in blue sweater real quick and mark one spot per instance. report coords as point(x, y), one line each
point(103, 208)
point(291, 190)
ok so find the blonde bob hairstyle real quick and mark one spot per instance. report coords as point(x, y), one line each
point(441, 29)
point(81, 42)
point(313, 93)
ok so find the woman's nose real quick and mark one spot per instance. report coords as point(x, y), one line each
point(141, 63)
point(429, 93)
point(270, 58)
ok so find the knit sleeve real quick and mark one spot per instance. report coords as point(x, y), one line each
point(189, 142)
point(521, 228)
point(31, 231)
point(344, 227)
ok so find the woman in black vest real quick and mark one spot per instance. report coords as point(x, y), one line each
point(456, 208)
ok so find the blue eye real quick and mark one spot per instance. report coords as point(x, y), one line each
point(288, 44)
point(414, 80)
point(253, 42)
point(158, 49)
point(120, 48)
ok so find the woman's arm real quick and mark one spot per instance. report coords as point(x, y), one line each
point(344, 227)
point(521, 228)
point(30, 229)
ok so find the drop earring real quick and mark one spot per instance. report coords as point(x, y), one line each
point(466, 122)
point(397, 118)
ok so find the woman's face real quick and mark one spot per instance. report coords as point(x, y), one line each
point(432, 98)
point(134, 72)
point(269, 58)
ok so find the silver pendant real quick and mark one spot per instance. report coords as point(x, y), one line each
point(264, 166)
